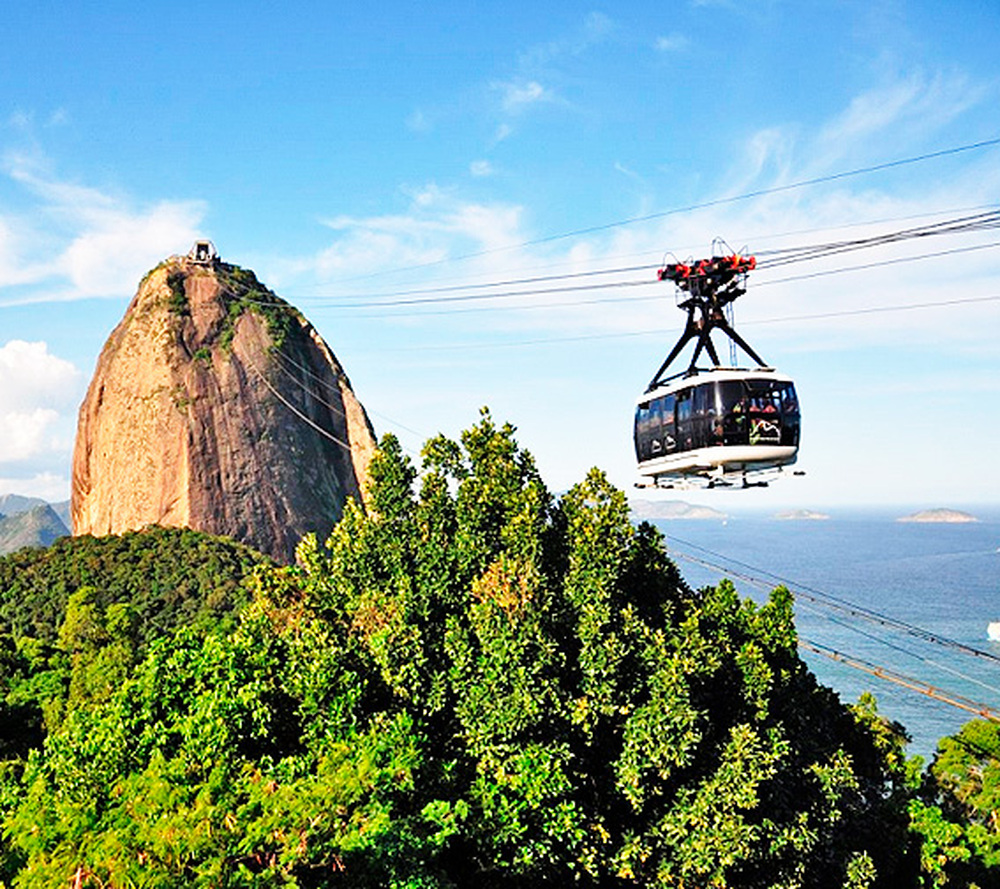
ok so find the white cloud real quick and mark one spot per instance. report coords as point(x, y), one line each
point(30, 375)
point(896, 114)
point(25, 434)
point(437, 225)
point(46, 485)
point(515, 97)
point(71, 241)
point(481, 168)
point(37, 392)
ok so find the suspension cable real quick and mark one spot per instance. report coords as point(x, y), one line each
point(837, 603)
point(909, 682)
point(325, 433)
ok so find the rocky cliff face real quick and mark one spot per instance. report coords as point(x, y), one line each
point(216, 406)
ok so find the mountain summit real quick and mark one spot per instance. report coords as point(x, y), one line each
point(217, 406)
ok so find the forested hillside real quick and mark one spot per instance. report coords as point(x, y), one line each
point(471, 683)
point(77, 617)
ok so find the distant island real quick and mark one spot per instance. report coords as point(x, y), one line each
point(801, 515)
point(672, 509)
point(951, 516)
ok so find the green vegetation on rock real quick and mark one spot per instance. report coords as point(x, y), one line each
point(243, 292)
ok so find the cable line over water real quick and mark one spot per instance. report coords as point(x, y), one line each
point(836, 602)
point(822, 602)
point(909, 682)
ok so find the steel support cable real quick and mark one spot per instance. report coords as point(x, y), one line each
point(836, 602)
point(632, 299)
point(732, 199)
point(979, 222)
point(875, 670)
point(325, 433)
point(614, 285)
point(510, 282)
point(305, 371)
point(880, 263)
point(446, 286)
point(545, 341)
point(513, 294)
point(476, 297)
point(922, 658)
point(311, 393)
point(333, 408)
point(876, 309)
point(909, 682)
point(621, 256)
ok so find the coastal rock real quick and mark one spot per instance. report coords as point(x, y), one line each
point(950, 516)
point(217, 406)
point(802, 515)
point(672, 509)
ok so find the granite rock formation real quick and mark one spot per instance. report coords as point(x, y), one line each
point(217, 406)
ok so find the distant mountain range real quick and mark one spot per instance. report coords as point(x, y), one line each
point(30, 521)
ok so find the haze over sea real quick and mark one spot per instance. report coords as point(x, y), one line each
point(940, 577)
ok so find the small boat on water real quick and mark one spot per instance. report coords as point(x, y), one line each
point(993, 630)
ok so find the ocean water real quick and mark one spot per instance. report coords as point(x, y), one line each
point(940, 578)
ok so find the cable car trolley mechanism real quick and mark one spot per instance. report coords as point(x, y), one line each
point(716, 426)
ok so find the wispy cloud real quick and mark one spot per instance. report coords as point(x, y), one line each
point(481, 169)
point(593, 29)
point(515, 97)
point(897, 114)
point(672, 43)
point(99, 245)
point(503, 132)
point(419, 122)
point(436, 225)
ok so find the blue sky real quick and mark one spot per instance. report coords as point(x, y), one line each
point(349, 155)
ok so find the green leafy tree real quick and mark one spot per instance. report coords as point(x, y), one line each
point(957, 814)
point(469, 684)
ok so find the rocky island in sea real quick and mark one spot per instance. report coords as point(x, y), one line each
point(801, 515)
point(672, 509)
point(946, 516)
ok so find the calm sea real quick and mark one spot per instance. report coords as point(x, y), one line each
point(940, 578)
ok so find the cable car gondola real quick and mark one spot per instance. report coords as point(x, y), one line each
point(718, 425)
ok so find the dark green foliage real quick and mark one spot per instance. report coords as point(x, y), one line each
point(469, 684)
point(178, 302)
point(243, 292)
point(170, 577)
point(957, 812)
point(77, 617)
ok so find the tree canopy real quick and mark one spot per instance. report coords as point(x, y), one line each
point(470, 683)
